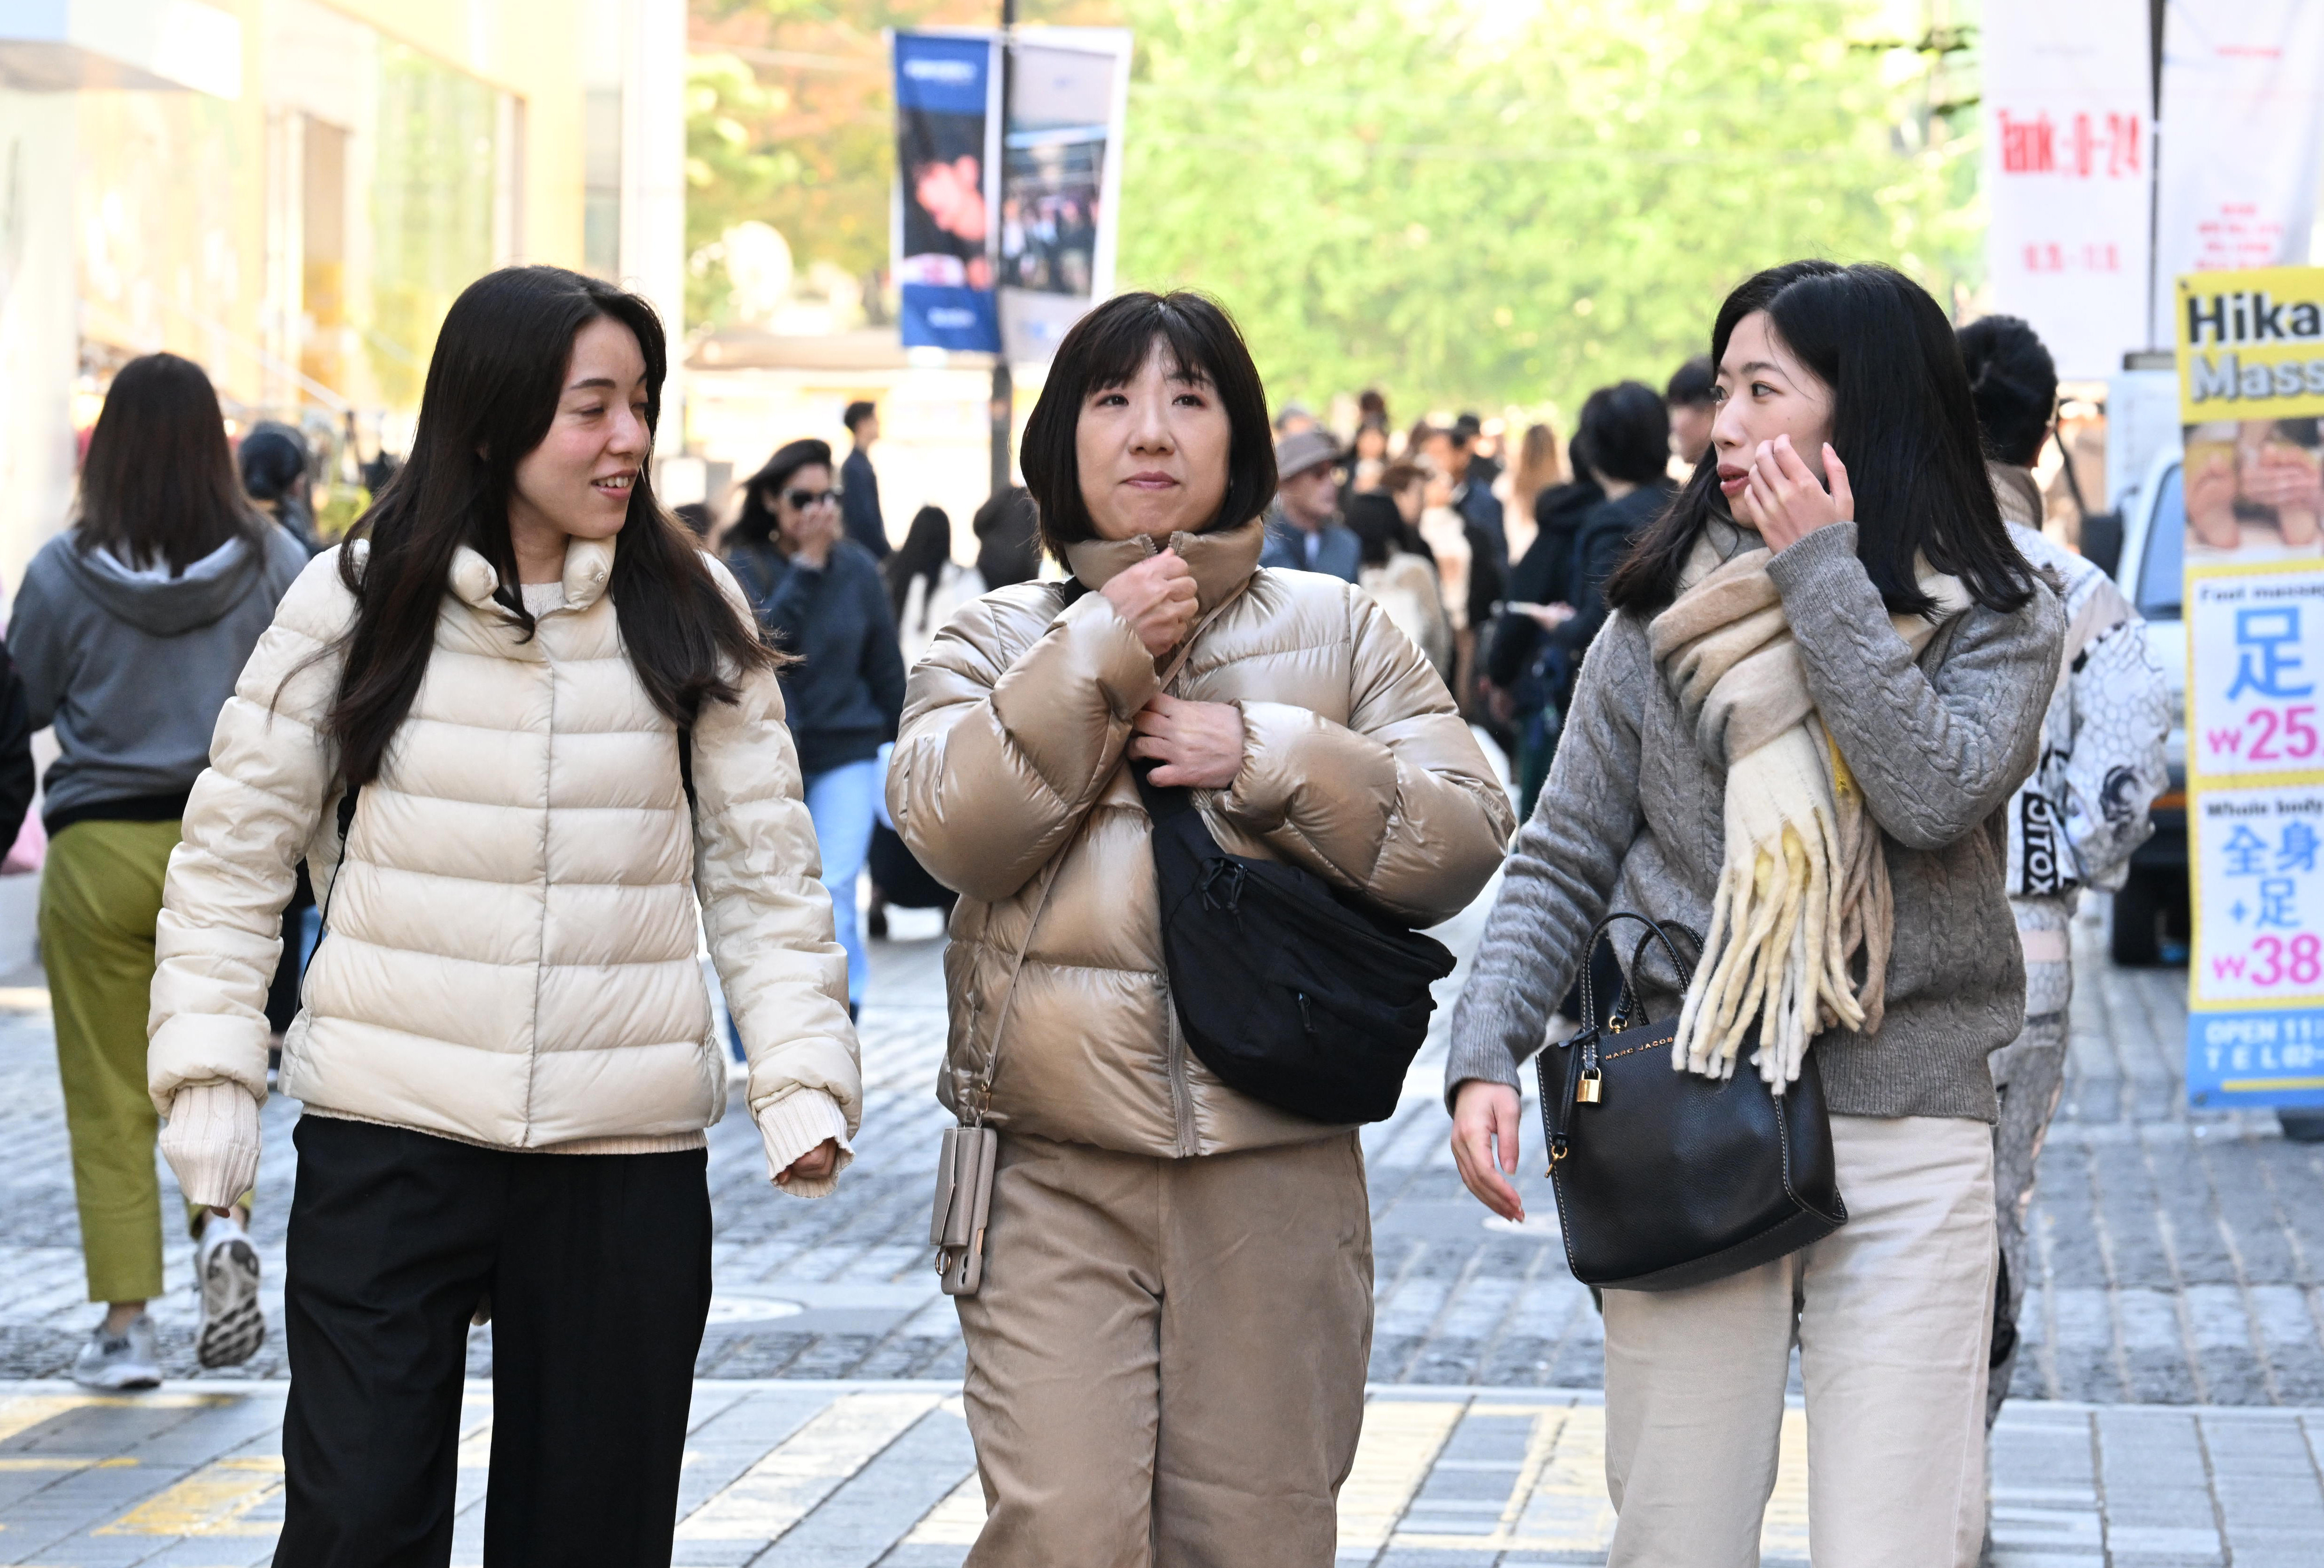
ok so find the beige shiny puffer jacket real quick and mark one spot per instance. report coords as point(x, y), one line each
point(509, 956)
point(1009, 772)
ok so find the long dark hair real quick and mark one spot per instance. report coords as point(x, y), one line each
point(1105, 349)
point(756, 523)
point(1903, 421)
point(159, 484)
point(491, 393)
point(927, 546)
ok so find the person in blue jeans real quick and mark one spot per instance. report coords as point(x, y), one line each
point(821, 599)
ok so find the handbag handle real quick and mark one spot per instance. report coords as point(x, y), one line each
point(1654, 931)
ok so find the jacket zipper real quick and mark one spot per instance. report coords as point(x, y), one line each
point(540, 949)
point(1182, 1095)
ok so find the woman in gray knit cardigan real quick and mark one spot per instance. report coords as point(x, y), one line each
point(1836, 775)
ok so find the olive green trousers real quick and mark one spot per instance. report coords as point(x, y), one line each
point(100, 897)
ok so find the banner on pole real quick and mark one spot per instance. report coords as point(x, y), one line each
point(947, 144)
point(1061, 179)
point(2251, 385)
point(2069, 163)
point(2243, 133)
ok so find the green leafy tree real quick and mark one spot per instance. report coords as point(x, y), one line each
point(1462, 203)
point(1397, 195)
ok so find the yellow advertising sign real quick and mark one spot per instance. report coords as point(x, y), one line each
point(2251, 344)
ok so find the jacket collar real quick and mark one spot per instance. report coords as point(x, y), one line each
point(1221, 560)
point(588, 564)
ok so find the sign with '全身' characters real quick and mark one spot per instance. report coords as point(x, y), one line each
point(2251, 385)
point(2255, 819)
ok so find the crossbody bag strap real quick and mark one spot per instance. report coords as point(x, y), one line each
point(347, 820)
point(980, 1094)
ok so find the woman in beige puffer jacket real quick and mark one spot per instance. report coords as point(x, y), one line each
point(1167, 1355)
point(469, 723)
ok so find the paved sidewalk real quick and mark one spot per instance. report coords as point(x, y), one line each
point(2180, 1259)
point(807, 1474)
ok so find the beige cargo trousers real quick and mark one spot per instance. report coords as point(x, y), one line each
point(1165, 1361)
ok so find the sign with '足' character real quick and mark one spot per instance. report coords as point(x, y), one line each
point(2255, 815)
point(2256, 669)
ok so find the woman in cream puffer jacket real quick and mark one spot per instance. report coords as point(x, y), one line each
point(1166, 1353)
point(469, 723)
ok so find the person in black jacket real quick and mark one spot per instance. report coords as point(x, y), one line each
point(1523, 662)
point(1008, 539)
point(859, 486)
point(16, 773)
point(820, 597)
point(1624, 433)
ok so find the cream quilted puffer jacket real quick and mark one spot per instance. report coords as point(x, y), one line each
point(1009, 777)
point(511, 941)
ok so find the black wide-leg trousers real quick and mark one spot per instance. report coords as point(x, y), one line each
point(598, 1270)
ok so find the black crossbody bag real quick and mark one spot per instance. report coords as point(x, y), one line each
point(1667, 1179)
point(1287, 987)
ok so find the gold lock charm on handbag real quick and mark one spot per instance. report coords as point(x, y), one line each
point(1587, 1091)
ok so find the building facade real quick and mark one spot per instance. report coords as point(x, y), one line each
point(292, 192)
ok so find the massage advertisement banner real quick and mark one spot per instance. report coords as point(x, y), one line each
point(2069, 169)
point(2251, 387)
point(2242, 138)
point(2255, 827)
point(947, 155)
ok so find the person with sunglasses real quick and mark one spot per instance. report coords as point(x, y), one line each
point(820, 597)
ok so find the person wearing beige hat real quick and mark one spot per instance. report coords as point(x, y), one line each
point(1304, 530)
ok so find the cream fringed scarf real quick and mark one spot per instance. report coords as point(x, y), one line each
point(1804, 888)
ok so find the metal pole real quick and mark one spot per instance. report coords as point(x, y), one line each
point(1004, 392)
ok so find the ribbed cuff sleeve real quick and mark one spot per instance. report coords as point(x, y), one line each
point(794, 1125)
point(1479, 1054)
point(211, 1142)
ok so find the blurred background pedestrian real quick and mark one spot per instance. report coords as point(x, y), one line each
point(1692, 398)
point(1008, 539)
point(274, 460)
point(1530, 671)
point(1304, 530)
point(1539, 465)
point(1365, 460)
point(859, 486)
point(1403, 584)
point(129, 630)
point(820, 597)
point(2075, 820)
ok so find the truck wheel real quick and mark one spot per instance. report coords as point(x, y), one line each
point(2136, 941)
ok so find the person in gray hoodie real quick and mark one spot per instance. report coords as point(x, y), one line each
point(128, 632)
point(1850, 493)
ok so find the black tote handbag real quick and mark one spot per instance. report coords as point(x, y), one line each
point(1667, 1179)
point(1288, 989)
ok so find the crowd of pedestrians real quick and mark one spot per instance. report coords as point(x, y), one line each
point(1776, 658)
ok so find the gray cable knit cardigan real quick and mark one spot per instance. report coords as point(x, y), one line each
point(1632, 819)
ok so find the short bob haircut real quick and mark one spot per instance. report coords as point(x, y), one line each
point(1626, 430)
point(1105, 349)
point(1903, 421)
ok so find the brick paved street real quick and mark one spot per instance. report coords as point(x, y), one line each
point(2179, 1266)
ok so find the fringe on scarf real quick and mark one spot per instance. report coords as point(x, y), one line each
point(1803, 893)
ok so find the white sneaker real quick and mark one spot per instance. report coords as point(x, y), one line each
point(124, 1362)
point(225, 1273)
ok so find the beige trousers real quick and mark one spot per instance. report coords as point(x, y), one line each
point(1891, 1312)
point(1165, 1362)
